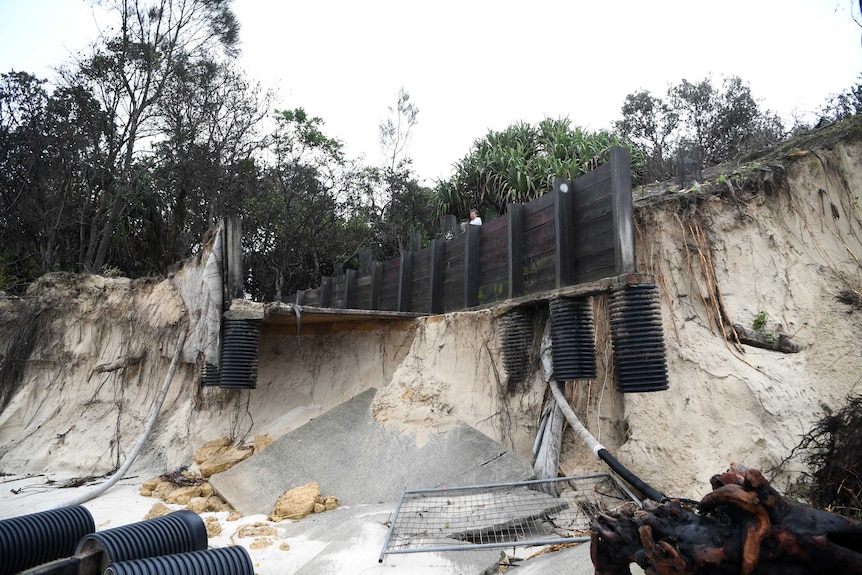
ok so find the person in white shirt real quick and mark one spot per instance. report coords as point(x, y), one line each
point(475, 220)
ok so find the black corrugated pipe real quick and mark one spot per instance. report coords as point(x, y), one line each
point(178, 532)
point(222, 561)
point(600, 451)
point(30, 540)
point(238, 369)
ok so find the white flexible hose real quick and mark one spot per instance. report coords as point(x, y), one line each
point(579, 428)
point(141, 441)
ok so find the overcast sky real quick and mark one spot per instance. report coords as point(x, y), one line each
point(471, 66)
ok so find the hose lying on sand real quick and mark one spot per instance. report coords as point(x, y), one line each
point(141, 441)
point(599, 450)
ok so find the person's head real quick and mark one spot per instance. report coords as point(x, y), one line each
point(474, 214)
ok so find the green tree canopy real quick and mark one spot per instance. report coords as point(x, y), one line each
point(696, 118)
point(519, 164)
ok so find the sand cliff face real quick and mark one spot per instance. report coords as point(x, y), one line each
point(84, 356)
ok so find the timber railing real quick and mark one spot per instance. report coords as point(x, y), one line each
point(580, 232)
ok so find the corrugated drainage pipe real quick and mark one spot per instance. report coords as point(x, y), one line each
point(221, 561)
point(572, 338)
point(239, 353)
point(637, 338)
point(178, 532)
point(30, 540)
point(600, 451)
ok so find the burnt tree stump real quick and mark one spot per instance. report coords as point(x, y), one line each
point(743, 527)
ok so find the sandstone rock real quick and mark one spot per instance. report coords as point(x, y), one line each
point(224, 460)
point(210, 448)
point(234, 515)
point(198, 504)
point(319, 507)
point(296, 503)
point(256, 530)
point(151, 484)
point(206, 490)
point(261, 442)
point(330, 503)
point(284, 547)
point(260, 543)
point(182, 495)
point(158, 510)
point(163, 488)
point(213, 527)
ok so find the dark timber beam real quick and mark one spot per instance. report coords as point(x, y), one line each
point(436, 291)
point(404, 281)
point(563, 229)
point(471, 266)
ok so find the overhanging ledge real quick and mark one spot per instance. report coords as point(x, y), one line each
point(288, 313)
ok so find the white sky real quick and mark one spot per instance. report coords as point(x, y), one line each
point(472, 65)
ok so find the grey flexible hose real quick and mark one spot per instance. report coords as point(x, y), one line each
point(141, 441)
point(600, 451)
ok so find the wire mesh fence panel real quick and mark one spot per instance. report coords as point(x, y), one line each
point(540, 512)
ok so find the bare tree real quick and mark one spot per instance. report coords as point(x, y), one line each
point(129, 70)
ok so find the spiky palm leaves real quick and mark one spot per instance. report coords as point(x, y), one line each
point(519, 164)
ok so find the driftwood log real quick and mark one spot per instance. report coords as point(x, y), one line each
point(743, 527)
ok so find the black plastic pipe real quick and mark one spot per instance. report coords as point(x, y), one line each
point(178, 532)
point(30, 540)
point(600, 451)
point(221, 561)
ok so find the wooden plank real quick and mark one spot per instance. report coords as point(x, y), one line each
point(515, 245)
point(404, 281)
point(436, 279)
point(420, 281)
point(582, 184)
point(325, 291)
point(350, 289)
point(338, 292)
point(233, 257)
point(453, 274)
point(471, 266)
point(598, 265)
point(563, 231)
point(623, 210)
point(376, 284)
point(389, 285)
point(363, 290)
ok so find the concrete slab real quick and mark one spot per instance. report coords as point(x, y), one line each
point(359, 460)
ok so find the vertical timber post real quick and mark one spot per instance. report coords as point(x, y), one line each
point(376, 280)
point(325, 291)
point(515, 214)
point(233, 257)
point(471, 266)
point(449, 226)
point(623, 211)
point(436, 288)
point(404, 281)
point(563, 231)
point(350, 289)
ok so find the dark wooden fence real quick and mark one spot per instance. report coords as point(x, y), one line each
point(580, 232)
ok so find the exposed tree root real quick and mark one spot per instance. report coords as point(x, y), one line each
point(744, 526)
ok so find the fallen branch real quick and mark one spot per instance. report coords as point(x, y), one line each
point(744, 526)
point(765, 340)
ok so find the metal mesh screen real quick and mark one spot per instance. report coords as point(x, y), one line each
point(541, 512)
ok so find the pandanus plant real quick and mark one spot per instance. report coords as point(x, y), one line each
point(519, 164)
